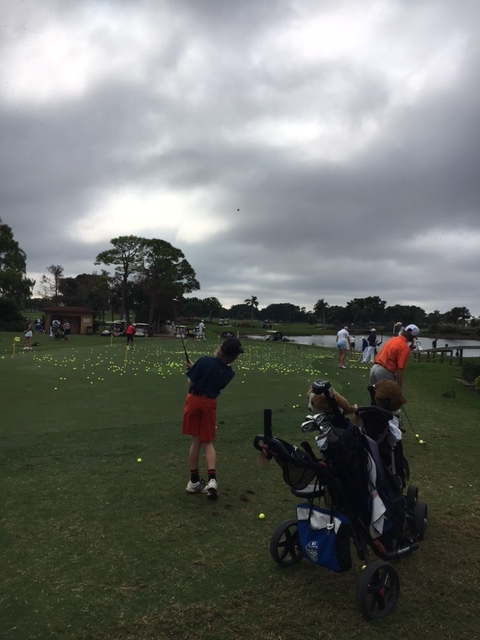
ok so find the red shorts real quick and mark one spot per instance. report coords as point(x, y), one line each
point(200, 417)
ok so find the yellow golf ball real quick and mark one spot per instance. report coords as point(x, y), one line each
point(139, 459)
point(261, 516)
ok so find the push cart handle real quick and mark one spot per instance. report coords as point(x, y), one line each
point(267, 423)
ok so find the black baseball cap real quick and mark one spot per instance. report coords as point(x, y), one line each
point(232, 347)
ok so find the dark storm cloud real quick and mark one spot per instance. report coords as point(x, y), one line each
point(355, 170)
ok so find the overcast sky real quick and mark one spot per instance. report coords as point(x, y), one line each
point(293, 150)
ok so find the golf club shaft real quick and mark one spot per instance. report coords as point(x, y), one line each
point(408, 419)
point(185, 348)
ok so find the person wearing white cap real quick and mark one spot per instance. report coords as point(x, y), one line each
point(398, 328)
point(392, 358)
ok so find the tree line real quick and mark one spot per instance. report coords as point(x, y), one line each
point(151, 280)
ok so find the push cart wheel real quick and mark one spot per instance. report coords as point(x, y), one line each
point(420, 515)
point(378, 589)
point(285, 544)
point(412, 497)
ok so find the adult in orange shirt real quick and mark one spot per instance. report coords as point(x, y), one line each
point(392, 358)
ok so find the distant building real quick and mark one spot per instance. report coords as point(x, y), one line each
point(80, 319)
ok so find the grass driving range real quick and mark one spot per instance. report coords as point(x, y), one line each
point(98, 546)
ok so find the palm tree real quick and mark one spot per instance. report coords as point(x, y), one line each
point(253, 304)
point(319, 309)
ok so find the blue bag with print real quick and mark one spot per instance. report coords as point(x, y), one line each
point(324, 537)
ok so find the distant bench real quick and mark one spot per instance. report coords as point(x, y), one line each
point(442, 354)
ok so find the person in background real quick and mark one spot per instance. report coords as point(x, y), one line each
point(201, 330)
point(343, 341)
point(369, 353)
point(398, 328)
point(27, 336)
point(392, 358)
point(206, 379)
point(56, 329)
point(130, 332)
point(364, 346)
point(434, 343)
point(352, 344)
point(66, 329)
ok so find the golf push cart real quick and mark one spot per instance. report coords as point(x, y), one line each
point(349, 493)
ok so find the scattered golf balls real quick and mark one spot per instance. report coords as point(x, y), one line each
point(421, 442)
point(416, 435)
point(139, 459)
point(261, 516)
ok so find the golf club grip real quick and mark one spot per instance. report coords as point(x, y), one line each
point(267, 422)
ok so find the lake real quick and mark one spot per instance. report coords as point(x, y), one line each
point(330, 341)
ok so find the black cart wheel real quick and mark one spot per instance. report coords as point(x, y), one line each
point(420, 515)
point(285, 544)
point(412, 497)
point(378, 589)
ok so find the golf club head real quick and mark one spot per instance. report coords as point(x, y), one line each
point(309, 425)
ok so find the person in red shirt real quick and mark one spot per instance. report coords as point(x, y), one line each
point(392, 358)
point(130, 332)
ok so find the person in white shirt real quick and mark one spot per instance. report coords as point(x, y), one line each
point(201, 330)
point(343, 342)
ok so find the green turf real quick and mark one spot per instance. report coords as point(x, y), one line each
point(98, 546)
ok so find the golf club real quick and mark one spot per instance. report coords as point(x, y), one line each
point(184, 348)
point(420, 441)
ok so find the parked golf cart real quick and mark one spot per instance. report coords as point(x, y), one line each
point(115, 329)
point(180, 330)
point(274, 336)
point(142, 329)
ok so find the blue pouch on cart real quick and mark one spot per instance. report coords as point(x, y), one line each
point(324, 537)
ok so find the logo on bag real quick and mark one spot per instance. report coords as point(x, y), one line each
point(311, 550)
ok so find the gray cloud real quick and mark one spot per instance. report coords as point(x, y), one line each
point(351, 154)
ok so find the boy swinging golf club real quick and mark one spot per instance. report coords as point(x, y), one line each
point(207, 377)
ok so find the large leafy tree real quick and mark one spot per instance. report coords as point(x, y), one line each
point(167, 275)
point(283, 312)
point(366, 309)
point(211, 308)
point(15, 287)
point(458, 315)
point(92, 290)
point(51, 284)
point(405, 314)
point(127, 258)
